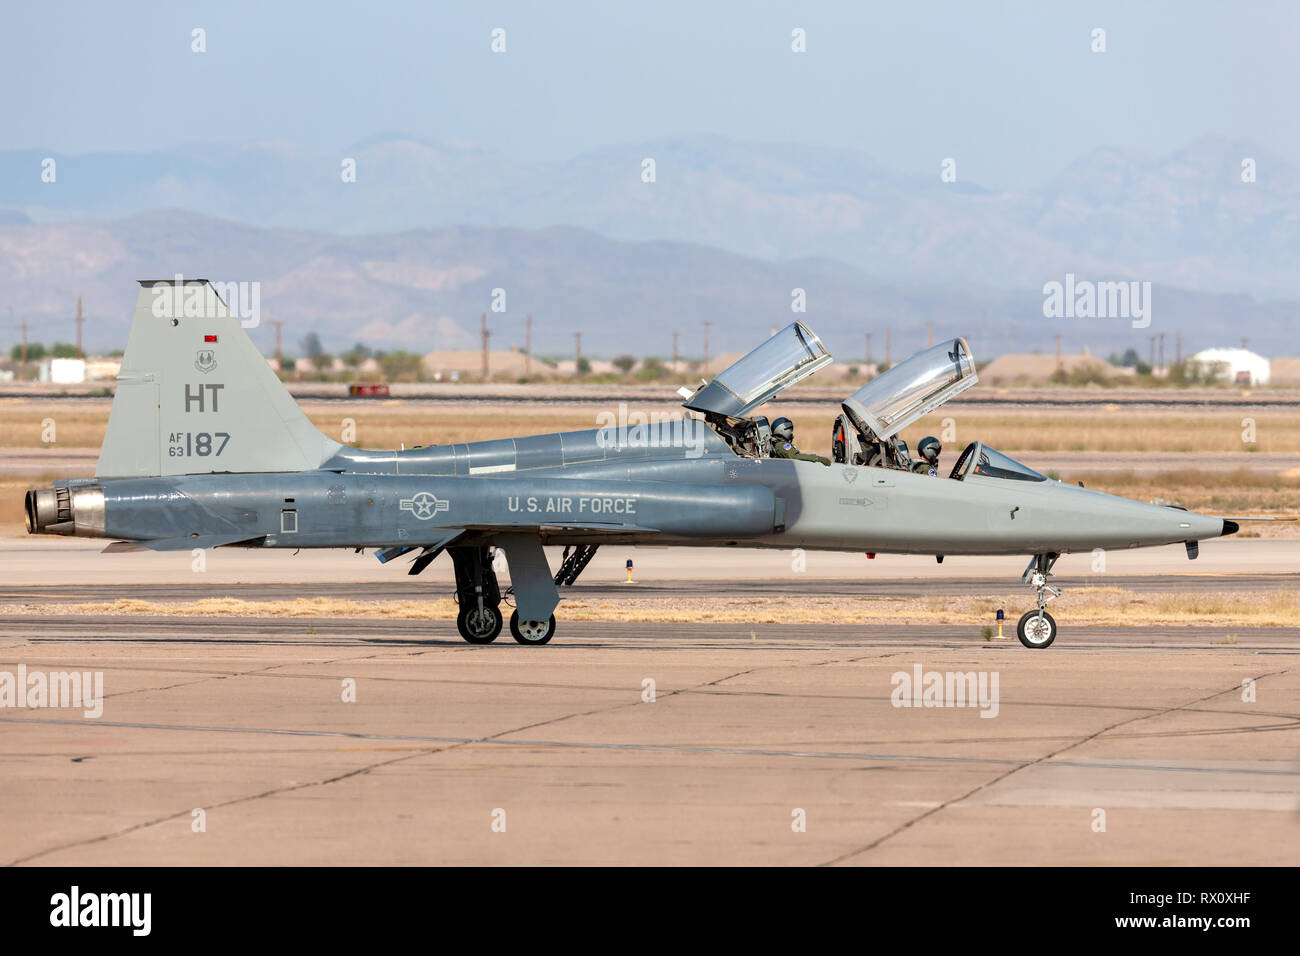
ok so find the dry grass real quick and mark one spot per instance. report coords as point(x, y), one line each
point(1237, 492)
point(1101, 605)
point(393, 423)
point(1117, 428)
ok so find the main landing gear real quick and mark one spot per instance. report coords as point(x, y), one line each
point(479, 619)
point(531, 632)
point(1037, 629)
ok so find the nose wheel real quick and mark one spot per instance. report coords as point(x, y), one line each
point(1037, 629)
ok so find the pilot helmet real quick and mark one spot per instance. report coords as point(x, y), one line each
point(930, 449)
point(783, 429)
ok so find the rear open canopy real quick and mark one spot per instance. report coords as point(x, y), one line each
point(791, 354)
point(894, 399)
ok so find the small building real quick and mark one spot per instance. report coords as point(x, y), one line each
point(1038, 368)
point(454, 364)
point(1284, 371)
point(1235, 366)
point(62, 371)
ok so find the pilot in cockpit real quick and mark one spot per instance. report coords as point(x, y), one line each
point(783, 443)
point(929, 449)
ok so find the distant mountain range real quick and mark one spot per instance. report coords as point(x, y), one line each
point(1184, 220)
point(425, 289)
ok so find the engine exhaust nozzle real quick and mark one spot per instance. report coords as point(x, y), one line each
point(77, 510)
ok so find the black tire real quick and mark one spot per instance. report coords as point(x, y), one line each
point(531, 633)
point(481, 632)
point(1033, 635)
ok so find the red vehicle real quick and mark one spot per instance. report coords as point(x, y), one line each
point(368, 391)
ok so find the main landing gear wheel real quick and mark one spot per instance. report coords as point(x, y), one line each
point(532, 632)
point(480, 626)
point(1036, 629)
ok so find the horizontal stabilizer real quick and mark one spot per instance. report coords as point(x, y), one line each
point(186, 543)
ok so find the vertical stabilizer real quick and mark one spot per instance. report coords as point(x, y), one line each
point(195, 396)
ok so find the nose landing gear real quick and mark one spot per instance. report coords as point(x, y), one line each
point(1037, 629)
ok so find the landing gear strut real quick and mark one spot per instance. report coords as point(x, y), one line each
point(479, 620)
point(1037, 629)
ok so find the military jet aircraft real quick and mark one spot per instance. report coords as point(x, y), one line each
point(205, 448)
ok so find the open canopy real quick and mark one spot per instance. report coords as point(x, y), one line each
point(788, 356)
point(894, 399)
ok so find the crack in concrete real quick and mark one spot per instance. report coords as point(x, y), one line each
point(1032, 763)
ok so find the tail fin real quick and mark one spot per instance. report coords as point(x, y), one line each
point(195, 395)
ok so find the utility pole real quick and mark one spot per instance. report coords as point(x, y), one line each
point(22, 374)
point(577, 354)
point(80, 354)
point(279, 347)
point(868, 335)
point(484, 335)
point(1243, 344)
point(1178, 349)
point(888, 347)
point(1162, 352)
point(1152, 361)
point(1058, 351)
point(706, 347)
point(528, 345)
point(675, 351)
point(929, 334)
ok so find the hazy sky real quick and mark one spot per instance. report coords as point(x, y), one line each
point(1010, 89)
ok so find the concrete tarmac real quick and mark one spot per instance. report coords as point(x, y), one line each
point(760, 744)
point(50, 560)
point(230, 741)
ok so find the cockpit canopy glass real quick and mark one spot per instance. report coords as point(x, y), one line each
point(894, 399)
point(788, 356)
point(989, 463)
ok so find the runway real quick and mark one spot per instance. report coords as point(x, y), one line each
point(761, 744)
point(401, 587)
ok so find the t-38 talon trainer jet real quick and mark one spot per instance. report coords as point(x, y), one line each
point(205, 448)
